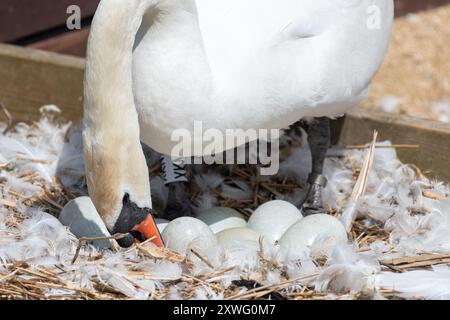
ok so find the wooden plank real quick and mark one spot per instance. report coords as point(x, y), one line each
point(433, 137)
point(21, 18)
point(31, 78)
point(403, 7)
point(73, 43)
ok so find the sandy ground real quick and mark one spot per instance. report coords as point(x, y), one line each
point(415, 78)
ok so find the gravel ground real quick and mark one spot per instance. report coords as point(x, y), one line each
point(415, 78)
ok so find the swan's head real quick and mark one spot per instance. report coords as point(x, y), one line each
point(117, 176)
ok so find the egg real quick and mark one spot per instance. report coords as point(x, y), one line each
point(303, 234)
point(220, 218)
point(161, 224)
point(239, 234)
point(83, 220)
point(273, 218)
point(187, 232)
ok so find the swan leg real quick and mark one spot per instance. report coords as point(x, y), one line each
point(175, 177)
point(319, 141)
point(178, 202)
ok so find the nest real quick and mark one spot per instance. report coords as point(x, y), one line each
point(396, 235)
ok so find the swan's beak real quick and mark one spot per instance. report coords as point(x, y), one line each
point(148, 231)
point(138, 223)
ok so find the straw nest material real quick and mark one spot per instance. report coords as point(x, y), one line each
point(400, 241)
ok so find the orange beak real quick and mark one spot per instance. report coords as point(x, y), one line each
point(149, 230)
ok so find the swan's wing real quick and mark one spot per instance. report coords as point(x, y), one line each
point(321, 36)
point(233, 29)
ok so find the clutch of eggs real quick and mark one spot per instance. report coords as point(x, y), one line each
point(276, 222)
point(282, 224)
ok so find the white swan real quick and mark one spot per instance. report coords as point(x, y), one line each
point(154, 66)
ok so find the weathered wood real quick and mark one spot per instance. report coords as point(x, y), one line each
point(73, 43)
point(403, 7)
point(31, 78)
point(433, 137)
point(21, 18)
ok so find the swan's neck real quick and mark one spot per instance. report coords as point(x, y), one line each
point(108, 78)
point(115, 163)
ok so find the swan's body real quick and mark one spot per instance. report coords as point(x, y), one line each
point(252, 64)
point(234, 64)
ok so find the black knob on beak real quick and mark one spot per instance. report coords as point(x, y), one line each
point(130, 216)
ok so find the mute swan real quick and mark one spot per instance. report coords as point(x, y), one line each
point(154, 66)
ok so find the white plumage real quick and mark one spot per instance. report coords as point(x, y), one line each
point(252, 64)
point(155, 66)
